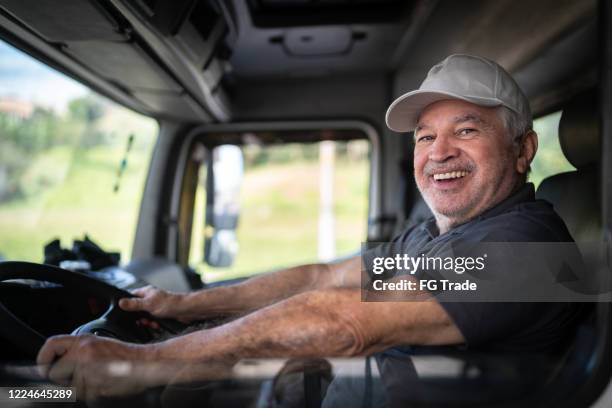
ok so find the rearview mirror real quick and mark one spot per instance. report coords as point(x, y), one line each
point(225, 173)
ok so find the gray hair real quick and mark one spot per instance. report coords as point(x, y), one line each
point(516, 124)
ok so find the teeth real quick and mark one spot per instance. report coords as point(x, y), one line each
point(450, 175)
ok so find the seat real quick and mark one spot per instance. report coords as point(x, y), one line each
point(576, 195)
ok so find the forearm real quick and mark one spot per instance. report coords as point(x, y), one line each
point(303, 326)
point(322, 323)
point(255, 292)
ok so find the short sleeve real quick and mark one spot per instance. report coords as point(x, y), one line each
point(515, 326)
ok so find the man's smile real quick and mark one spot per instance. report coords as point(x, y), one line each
point(449, 180)
point(450, 175)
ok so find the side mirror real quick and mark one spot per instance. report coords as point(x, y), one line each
point(225, 173)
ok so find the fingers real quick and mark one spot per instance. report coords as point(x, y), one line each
point(62, 371)
point(132, 304)
point(142, 292)
point(139, 302)
point(81, 361)
point(148, 323)
point(53, 348)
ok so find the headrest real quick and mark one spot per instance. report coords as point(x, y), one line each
point(579, 134)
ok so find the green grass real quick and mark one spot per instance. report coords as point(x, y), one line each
point(78, 200)
point(68, 189)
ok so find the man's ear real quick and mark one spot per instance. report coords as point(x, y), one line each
point(527, 150)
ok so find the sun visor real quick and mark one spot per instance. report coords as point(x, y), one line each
point(65, 20)
point(124, 63)
point(173, 104)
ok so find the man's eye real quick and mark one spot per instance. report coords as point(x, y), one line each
point(466, 131)
point(427, 138)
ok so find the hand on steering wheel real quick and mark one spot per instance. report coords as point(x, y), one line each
point(115, 322)
point(157, 302)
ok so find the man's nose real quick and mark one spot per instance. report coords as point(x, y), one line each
point(442, 149)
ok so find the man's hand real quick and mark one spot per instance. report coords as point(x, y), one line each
point(102, 367)
point(244, 297)
point(158, 302)
point(97, 366)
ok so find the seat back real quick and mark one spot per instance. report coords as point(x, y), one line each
point(575, 195)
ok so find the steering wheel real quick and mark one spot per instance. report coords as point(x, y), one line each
point(115, 322)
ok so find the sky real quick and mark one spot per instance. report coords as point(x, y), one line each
point(24, 78)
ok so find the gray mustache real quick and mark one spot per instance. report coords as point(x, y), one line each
point(433, 168)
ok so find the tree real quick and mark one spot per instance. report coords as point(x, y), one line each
point(88, 108)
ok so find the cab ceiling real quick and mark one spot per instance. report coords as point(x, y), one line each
point(216, 61)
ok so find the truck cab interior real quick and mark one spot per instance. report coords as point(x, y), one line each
point(233, 86)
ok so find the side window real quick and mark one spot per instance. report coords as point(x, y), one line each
point(549, 159)
point(299, 203)
point(71, 162)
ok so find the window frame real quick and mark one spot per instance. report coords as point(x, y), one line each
point(179, 231)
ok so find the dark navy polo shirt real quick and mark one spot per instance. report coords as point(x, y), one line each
point(504, 326)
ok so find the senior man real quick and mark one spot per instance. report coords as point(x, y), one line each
point(473, 145)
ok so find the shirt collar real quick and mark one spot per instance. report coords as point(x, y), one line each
point(431, 228)
point(524, 194)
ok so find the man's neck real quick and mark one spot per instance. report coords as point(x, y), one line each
point(446, 224)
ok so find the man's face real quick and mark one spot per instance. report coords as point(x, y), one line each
point(464, 161)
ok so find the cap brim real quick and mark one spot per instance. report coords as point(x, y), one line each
point(404, 112)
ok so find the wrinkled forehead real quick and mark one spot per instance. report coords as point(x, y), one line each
point(468, 117)
point(453, 112)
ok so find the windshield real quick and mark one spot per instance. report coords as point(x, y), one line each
point(71, 162)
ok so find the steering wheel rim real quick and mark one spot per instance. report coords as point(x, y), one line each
point(30, 340)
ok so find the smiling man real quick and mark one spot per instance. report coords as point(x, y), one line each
point(473, 137)
point(473, 147)
point(464, 161)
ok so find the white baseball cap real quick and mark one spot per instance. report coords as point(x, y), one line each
point(460, 76)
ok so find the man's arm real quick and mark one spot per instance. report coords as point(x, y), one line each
point(252, 294)
point(331, 322)
point(323, 323)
